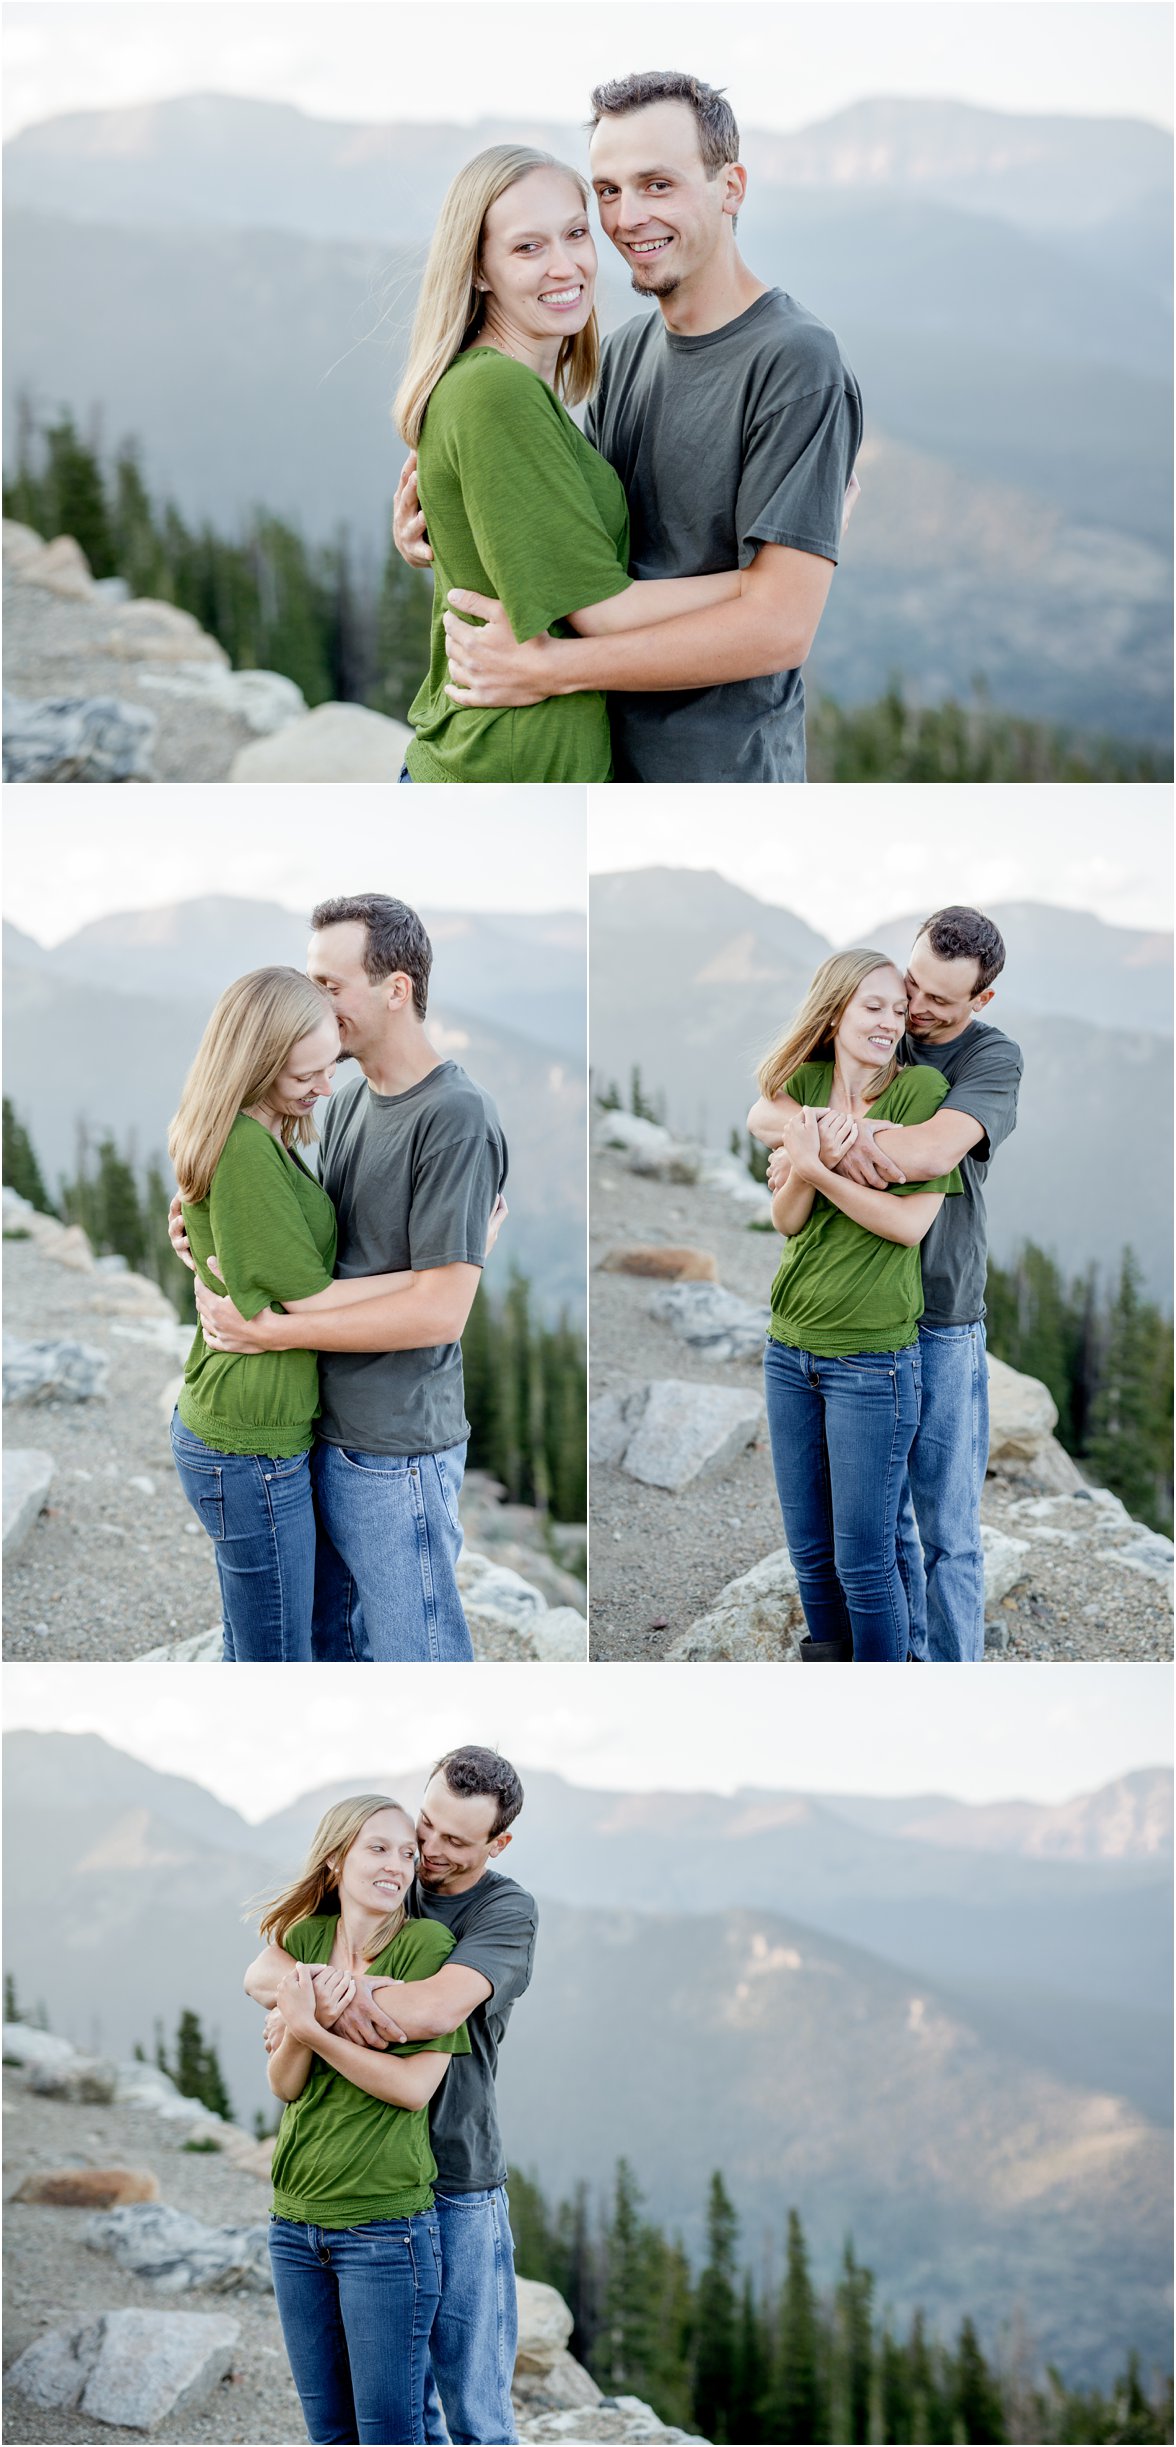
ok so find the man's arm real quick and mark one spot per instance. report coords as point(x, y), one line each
point(922, 1151)
point(430, 2009)
point(433, 1309)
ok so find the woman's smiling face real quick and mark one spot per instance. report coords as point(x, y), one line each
point(308, 1072)
point(376, 1872)
point(874, 1019)
point(538, 262)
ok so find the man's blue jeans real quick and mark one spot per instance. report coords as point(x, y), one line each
point(841, 1430)
point(940, 1550)
point(259, 1514)
point(389, 1538)
point(476, 2333)
point(357, 2306)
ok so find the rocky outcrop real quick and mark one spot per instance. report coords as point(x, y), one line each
point(178, 2254)
point(28, 1477)
point(758, 1619)
point(89, 2187)
point(335, 743)
point(77, 739)
point(670, 1432)
point(136, 2368)
point(52, 1371)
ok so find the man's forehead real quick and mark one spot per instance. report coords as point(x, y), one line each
point(442, 1802)
point(661, 136)
point(958, 975)
point(339, 946)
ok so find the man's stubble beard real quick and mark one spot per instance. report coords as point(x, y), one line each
point(656, 288)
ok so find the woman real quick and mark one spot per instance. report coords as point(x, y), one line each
point(353, 2233)
point(243, 1427)
point(518, 505)
point(841, 1367)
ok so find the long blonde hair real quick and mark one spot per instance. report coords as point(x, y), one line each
point(810, 1034)
point(318, 1885)
point(246, 1045)
point(451, 307)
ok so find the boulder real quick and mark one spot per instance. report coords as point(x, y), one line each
point(1004, 1563)
point(619, 2419)
point(559, 1636)
point(545, 2324)
point(756, 1620)
point(335, 743)
point(68, 1246)
point(1148, 1552)
point(673, 1265)
point(28, 1477)
point(204, 1648)
point(492, 1587)
point(135, 2368)
point(25, 2046)
point(713, 1320)
point(52, 1371)
point(88, 2081)
point(687, 1431)
point(149, 632)
point(265, 701)
point(77, 739)
point(650, 1149)
point(611, 1419)
point(498, 1641)
point(21, 545)
point(61, 566)
point(89, 2187)
point(178, 2254)
point(564, 2384)
point(1022, 1415)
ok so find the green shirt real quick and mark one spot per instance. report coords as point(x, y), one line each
point(840, 1288)
point(518, 506)
point(272, 1228)
point(342, 2157)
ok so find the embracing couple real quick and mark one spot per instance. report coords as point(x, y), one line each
point(389, 1970)
point(885, 1101)
point(321, 1441)
point(635, 600)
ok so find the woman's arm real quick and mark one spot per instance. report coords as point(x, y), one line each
point(650, 600)
point(400, 2081)
point(288, 2069)
point(905, 1220)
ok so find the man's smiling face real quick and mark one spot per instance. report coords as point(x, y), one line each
point(656, 202)
point(941, 995)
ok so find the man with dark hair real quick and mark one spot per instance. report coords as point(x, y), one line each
point(733, 424)
point(958, 953)
point(414, 1160)
point(470, 1804)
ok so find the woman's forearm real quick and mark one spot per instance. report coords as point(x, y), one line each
point(346, 1290)
point(904, 1220)
point(792, 1205)
point(288, 2069)
point(400, 2081)
point(651, 600)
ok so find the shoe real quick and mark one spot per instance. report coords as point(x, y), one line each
point(826, 1652)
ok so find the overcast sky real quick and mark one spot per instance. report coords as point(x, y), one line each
point(785, 66)
point(1041, 1732)
point(881, 852)
point(108, 848)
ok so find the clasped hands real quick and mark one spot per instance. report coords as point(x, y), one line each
point(315, 1997)
point(821, 1141)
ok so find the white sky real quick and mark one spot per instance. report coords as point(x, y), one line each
point(881, 851)
point(785, 66)
point(1041, 1732)
point(108, 848)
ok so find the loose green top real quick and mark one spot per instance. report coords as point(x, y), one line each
point(342, 2157)
point(272, 1228)
point(840, 1288)
point(518, 506)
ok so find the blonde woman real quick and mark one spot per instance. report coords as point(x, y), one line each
point(243, 1427)
point(841, 1369)
point(353, 2233)
point(518, 505)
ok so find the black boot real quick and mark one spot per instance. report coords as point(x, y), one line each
point(826, 1652)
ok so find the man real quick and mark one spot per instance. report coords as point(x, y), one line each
point(733, 424)
point(413, 1159)
point(471, 1802)
point(958, 954)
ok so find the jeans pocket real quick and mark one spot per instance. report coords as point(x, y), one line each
point(287, 1465)
point(449, 1478)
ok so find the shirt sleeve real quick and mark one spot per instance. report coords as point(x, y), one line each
point(261, 1239)
point(806, 1084)
point(453, 1191)
point(418, 1950)
point(795, 472)
point(536, 529)
point(986, 1090)
point(500, 1944)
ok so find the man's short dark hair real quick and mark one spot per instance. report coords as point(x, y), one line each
point(718, 136)
point(965, 934)
point(473, 1771)
point(396, 939)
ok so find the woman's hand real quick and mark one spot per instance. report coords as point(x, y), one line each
point(333, 1990)
point(296, 2005)
point(177, 1235)
point(836, 1133)
point(497, 1220)
point(801, 1143)
point(408, 519)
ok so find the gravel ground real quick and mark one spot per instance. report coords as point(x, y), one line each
point(53, 2279)
point(108, 1571)
point(54, 646)
point(658, 1561)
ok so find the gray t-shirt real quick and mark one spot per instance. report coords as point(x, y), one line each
point(983, 1073)
point(724, 440)
point(494, 1925)
point(413, 1179)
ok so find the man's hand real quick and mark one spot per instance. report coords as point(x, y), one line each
point(408, 519)
point(486, 666)
point(273, 2030)
point(498, 1216)
point(865, 1162)
point(223, 1326)
point(366, 2022)
point(853, 494)
point(177, 1235)
point(779, 1169)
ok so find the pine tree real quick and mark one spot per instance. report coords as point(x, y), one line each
point(795, 2409)
point(1127, 1446)
point(854, 2345)
point(402, 636)
point(20, 1167)
point(75, 496)
point(977, 2404)
point(12, 2012)
point(751, 2368)
point(621, 2351)
point(716, 2319)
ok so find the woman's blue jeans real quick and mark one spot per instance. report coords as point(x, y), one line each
point(259, 1512)
point(357, 2306)
point(841, 1430)
point(404, 775)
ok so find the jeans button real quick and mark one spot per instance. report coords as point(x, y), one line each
point(414, 1474)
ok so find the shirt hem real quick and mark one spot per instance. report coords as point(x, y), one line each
point(283, 1444)
point(305, 2212)
point(392, 1452)
point(848, 1350)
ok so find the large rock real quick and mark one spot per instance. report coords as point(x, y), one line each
point(77, 739)
point(619, 2419)
point(134, 2368)
point(203, 1648)
point(89, 2187)
point(87, 2081)
point(265, 701)
point(564, 2384)
point(28, 1477)
point(178, 2254)
point(560, 1636)
point(1004, 1563)
point(494, 1588)
point(713, 1320)
point(60, 566)
point(23, 2045)
point(756, 1620)
point(69, 1246)
point(671, 1265)
point(52, 1371)
point(650, 1149)
point(149, 632)
point(335, 743)
point(689, 1431)
point(1022, 1414)
point(545, 2324)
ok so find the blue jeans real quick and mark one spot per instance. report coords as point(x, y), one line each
point(259, 1513)
point(476, 2334)
point(357, 2306)
point(940, 1550)
point(841, 1430)
point(386, 1564)
point(404, 775)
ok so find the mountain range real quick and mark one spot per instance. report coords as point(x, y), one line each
point(691, 976)
point(232, 282)
point(102, 1029)
point(699, 2002)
